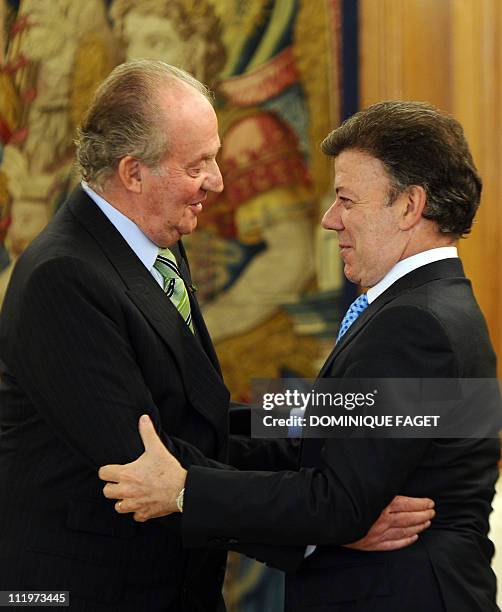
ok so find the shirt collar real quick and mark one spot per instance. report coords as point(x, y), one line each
point(407, 265)
point(142, 246)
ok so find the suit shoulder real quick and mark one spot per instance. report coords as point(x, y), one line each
point(452, 304)
point(424, 338)
point(62, 235)
point(402, 340)
point(42, 275)
point(402, 321)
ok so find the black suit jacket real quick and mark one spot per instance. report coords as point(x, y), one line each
point(426, 325)
point(88, 343)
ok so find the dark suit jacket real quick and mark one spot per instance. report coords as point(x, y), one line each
point(89, 342)
point(425, 325)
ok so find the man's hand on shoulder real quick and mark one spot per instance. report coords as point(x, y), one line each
point(149, 486)
point(398, 525)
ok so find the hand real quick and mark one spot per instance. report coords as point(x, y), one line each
point(398, 525)
point(148, 486)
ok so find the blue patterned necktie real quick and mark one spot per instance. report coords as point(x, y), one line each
point(174, 286)
point(357, 307)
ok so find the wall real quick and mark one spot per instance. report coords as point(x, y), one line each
point(448, 52)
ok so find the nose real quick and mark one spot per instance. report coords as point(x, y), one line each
point(214, 180)
point(332, 219)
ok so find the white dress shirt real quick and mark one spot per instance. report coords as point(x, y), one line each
point(407, 265)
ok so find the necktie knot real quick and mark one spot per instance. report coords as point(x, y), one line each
point(174, 285)
point(357, 307)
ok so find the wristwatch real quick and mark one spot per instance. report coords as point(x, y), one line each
point(179, 499)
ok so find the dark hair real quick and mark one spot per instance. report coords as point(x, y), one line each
point(419, 145)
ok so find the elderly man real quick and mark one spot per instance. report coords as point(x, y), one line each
point(88, 339)
point(406, 190)
point(99, 324)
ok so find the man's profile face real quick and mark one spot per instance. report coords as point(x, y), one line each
point(173, 194)
point(369, 236)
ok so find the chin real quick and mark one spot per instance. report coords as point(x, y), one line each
point(188, 228)
point(349, 275)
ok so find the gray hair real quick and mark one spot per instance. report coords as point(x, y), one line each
point(125, 118)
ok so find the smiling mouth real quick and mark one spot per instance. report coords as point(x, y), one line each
point(196, 208)
point(344, 250)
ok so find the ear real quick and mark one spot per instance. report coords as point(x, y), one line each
point(413, 207)
point(129, 172)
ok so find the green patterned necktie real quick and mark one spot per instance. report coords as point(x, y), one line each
point(174, 286)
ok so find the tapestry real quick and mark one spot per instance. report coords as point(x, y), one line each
point(268, 279)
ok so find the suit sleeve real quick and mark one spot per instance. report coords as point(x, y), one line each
point(337, 501)
point(72, 357)
point(259, 454)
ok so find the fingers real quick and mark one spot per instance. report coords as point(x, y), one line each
point(401, 503)
point(119, 491)
point(393, 539)
point(142, 509)
point(110, 473)
point(393, 544)
point(125, 506)
point(140, 517)
point(402, 533)
point(409, 519)
point(148, 433)
point(145, 515)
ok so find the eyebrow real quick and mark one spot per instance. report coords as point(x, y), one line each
point(349, 192)
point(204, 156)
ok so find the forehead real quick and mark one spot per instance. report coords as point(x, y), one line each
point(358, 169)
point(191, 123)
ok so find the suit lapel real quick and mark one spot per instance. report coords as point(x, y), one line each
point(201, 380)
point(197, 317)
point(445, 268)
point(203, 384)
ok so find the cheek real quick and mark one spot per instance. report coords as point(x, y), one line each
point(383, 241)
point(370, 239)
point(187, 189)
